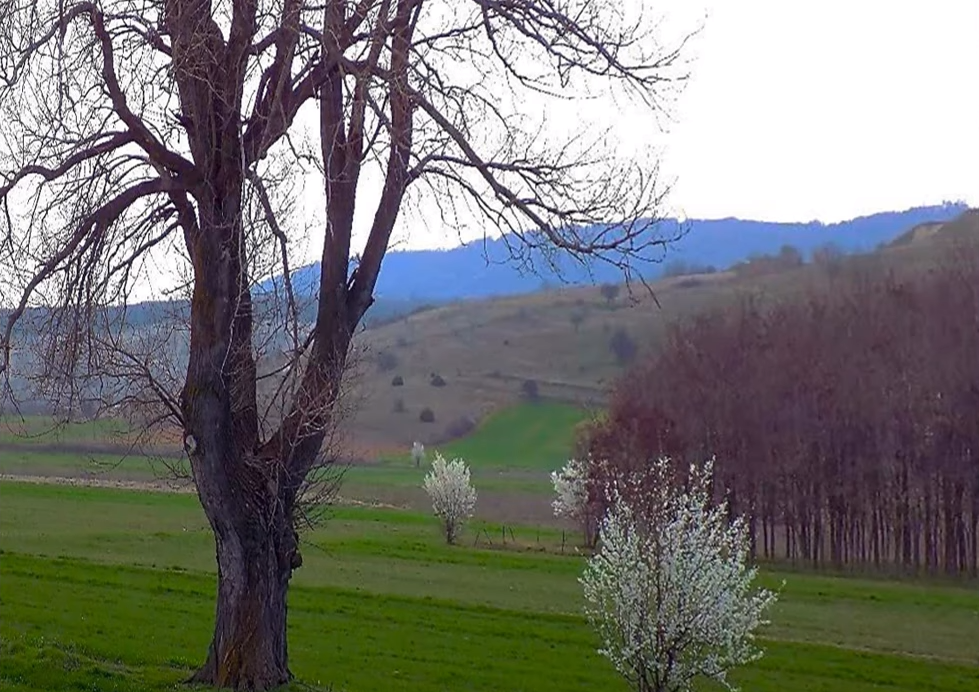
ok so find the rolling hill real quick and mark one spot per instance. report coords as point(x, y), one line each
point(465, 358)
point(482, 269)
point(486, 350)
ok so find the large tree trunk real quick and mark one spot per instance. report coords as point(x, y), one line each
point(249, 489)
point(255, 562)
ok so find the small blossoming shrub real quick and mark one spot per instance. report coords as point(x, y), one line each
point(453, 496)
point(669, 590)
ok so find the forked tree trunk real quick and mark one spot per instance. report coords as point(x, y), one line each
point(248, 650)
point(249, 491)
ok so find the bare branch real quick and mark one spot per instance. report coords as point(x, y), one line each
point(94, 224)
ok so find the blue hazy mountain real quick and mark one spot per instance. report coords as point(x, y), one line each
point(483, 269)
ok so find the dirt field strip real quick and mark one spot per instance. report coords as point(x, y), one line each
point(153, 486)
point(160, 486)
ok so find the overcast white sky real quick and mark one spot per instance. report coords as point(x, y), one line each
point(828, 109)
point(798, 110)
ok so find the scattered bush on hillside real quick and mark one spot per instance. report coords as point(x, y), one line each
point(610, 292)
point(452, 494)
point(684, 268)
point(829, 257)
point(689, 282)
point(670, 590)
point(386, 361)
point(789, 257)
point(623, 346)
point(397, 381)
point(529, 390)
point(437, 380)
point(459, 427)
point(761, 264)
point(426, 415)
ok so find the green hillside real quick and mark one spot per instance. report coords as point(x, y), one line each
point(525, 436)
point(465, 360)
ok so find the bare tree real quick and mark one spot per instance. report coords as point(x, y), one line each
point(168, 140)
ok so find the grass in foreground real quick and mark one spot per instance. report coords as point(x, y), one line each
point(127, 628)
point(113, 590)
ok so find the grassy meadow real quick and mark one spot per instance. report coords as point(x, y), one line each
point(108, 588)
point(35, 430)
point(113, 589)
point(533, 437)
point(511, 452)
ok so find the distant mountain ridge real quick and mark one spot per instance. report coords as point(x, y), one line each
point(481, 269)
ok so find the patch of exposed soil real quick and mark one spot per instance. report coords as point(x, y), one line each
point(157, 486)
point(92, 482)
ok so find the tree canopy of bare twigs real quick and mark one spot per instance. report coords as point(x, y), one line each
point(163, 143)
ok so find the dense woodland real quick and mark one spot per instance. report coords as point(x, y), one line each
point(844, 420)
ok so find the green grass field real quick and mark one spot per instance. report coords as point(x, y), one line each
point(95, 449)
point(509, 443)
point(45, 429)
point(526, 436)
point(25, 461)
point(511, 454)
point(113, 590)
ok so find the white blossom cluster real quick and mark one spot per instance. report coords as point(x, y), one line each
point(452, 493)
point(571, 490)
point(669, 591)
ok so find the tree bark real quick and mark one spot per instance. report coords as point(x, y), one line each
point(255, 562)
point(249, 488)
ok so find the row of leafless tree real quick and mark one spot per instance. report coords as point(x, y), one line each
point(845, 423)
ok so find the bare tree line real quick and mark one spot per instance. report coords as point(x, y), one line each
point(845, 421)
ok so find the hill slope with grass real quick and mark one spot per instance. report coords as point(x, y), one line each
point(434, 374)
point(465, 359)
point(526, 436)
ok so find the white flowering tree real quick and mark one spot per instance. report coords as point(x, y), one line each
point(417, 453)
point(571, 496)
point(452, 493)
point(670, 589)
